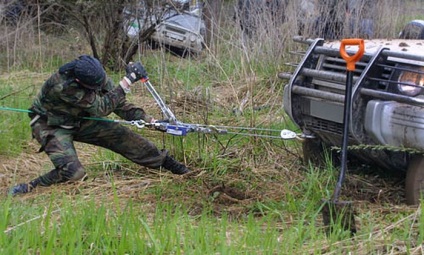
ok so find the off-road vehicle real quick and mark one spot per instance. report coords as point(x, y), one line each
point(181, 31)
point(184, 31)
point(387, 115)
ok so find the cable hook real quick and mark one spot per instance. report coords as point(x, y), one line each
point(138, 123)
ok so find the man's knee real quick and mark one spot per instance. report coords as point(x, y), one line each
point(79, 174)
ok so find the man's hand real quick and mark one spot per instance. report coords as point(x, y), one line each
point(134, 73)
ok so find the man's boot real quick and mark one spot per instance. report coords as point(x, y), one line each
point(174, 166)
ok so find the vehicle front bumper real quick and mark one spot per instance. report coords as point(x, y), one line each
point(395, 124)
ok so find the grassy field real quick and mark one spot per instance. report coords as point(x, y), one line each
point(246, 194)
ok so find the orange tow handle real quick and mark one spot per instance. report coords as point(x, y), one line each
point(351, 60)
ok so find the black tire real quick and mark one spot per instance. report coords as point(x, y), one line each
point(414, 183)
point(315, 152)
point(413, 30)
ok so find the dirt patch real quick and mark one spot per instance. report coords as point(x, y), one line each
point(234, 194)
point(375, 185)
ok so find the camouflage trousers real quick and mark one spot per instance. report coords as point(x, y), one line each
point(58, 144)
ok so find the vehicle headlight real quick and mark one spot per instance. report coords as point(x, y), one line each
point(411, 81)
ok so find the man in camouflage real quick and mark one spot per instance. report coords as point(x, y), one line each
point(81, 89)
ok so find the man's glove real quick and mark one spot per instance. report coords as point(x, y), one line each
point(135, 72)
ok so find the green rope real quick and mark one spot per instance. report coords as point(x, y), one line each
point(14, 109)
point(29, 111)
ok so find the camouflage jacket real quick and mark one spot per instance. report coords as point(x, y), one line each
point(62, 101)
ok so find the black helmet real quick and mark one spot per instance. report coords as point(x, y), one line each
point(87, 70)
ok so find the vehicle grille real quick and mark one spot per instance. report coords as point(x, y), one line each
point(329, 78)
point(382, 78)
point(176, 30)
point(323, 125)
point(332, 76)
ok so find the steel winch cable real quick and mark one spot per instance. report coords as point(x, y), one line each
point(255, 135)
point(178, 127)
point(253, 131)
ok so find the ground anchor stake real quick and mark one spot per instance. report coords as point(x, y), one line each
point(337, 212)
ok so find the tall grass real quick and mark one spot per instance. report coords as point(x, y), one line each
point(16, 93)
point(112, 224)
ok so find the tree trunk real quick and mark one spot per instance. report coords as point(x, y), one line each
point(212, 17)
point(113, 45)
